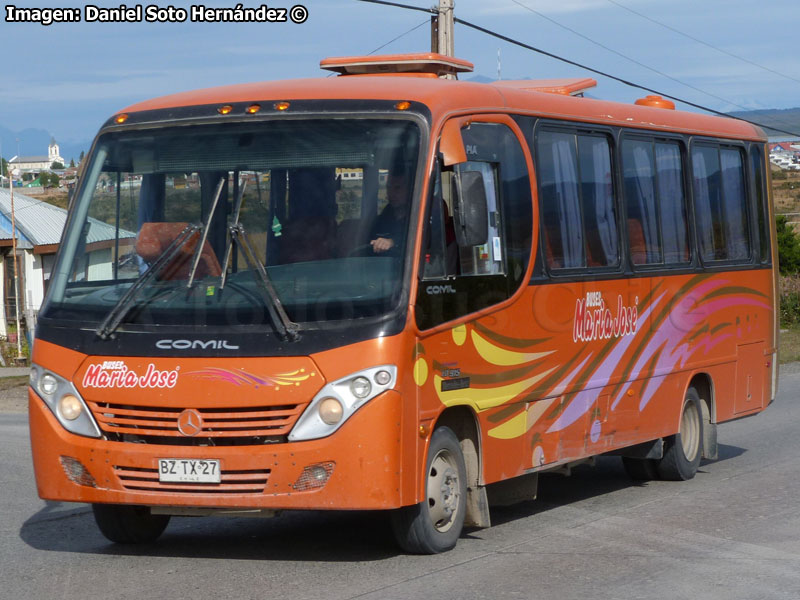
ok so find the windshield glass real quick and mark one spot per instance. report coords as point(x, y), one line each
point(321, 204)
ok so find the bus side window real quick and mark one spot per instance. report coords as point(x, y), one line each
point(758, 179)
point(458, 280)
point(720, 202)
point(578, 214)
point(655, 201)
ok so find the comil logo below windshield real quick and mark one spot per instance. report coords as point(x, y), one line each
point(435, 290)
point(195, 345)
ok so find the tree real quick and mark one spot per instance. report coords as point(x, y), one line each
point(3, 167)
point(57, 165)
point(80, 158)
point(788, 247)
point(71, 163)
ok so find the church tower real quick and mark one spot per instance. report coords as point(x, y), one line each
point(53, 152)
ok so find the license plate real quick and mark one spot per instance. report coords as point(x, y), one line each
point(188, 470)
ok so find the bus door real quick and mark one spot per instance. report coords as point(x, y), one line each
point(475, 257)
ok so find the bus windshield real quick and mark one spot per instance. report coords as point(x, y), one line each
point(212, 225)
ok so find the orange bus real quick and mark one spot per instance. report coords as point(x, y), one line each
point(395, 290)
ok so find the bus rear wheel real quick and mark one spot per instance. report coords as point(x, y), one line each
point(683, 451)
point(125, 524)
point(434, 525)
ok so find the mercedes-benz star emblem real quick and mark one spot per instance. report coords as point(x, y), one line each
point(190, 422)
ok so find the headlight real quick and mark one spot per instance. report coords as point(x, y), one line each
point(338, 401)
point(70, 407)
point(330, 411)
point(360, 387)
point(64, 401)
point(48, 385)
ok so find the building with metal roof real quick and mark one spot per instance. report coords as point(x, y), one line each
point(39, 226)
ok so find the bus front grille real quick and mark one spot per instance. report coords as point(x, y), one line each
point(203, 427)
point(137, 479)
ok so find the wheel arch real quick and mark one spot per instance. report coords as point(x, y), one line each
point(464, 423)
point(704, 386)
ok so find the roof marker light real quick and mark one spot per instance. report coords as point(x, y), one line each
point(656, 102)
point(404, 105)
point(281, 106)
point(120, 119)
point(253, 109)
point(224, 110)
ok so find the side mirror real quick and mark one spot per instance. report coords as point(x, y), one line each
point(471, 215)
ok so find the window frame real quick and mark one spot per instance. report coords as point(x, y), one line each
point(589, 130)
point(688, 198)
point(741, 146)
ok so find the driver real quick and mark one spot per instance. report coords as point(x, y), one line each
point(389, 228)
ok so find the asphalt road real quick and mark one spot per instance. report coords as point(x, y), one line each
point(732, 532)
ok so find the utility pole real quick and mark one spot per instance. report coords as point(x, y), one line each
point(442, 26)
point(16, 275)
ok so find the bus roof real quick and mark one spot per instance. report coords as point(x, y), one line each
point(547, 98)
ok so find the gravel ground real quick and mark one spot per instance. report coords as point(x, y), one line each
point(14, 394)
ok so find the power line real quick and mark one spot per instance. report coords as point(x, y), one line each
point(425, 22)
point(626, 57)
point(703, 42)
point(514, 42)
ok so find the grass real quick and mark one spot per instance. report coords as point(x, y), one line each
point(789, 345)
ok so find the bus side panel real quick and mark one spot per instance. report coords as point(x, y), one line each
point(576, 369)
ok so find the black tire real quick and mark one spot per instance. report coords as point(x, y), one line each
point(640, 469)
point(434, 525)
point(683, 451)
point(125, 524)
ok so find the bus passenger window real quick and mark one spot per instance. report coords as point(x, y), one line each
point(655, 202)
point(720, 203)
point(672, 202)
point(640, 196)
point(557, 163)
point(757, 176)
point(578, 211)
point(597, 191)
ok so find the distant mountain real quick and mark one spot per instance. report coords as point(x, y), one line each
point(34, 142)
point(787, 119)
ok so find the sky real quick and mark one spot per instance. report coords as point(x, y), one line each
point(68, 78)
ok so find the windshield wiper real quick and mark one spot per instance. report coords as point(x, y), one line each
point(285, 327)
point(236, 214)
point(198, 251)
point(121, 308)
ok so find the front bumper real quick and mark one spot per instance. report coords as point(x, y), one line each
point(366, 452)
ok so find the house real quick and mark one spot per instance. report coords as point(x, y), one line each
point(38, 227)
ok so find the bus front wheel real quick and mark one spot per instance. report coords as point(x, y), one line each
point(434, 525)
point(682, 451)
point(129, 524)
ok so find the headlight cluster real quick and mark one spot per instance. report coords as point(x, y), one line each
point(337, 401)
point(64, 401)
